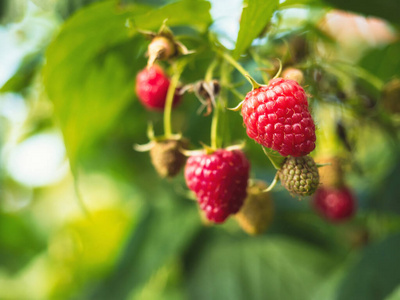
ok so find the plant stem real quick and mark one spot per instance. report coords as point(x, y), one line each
point(259, 62)
point(279, 70)
point(210, 70)
point(273, 183)
point(178, 69)
point(219, 117)
point(215, 140)
point(214, 127)
point(236, 65)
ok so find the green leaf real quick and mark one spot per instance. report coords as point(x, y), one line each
point(386, 194)
point(12, 11)
point(385, 9)
point(256, 15)
point(328, 288)
point(384, 62)
point(67, 8)
point(89, 81)
point(288, 3)
point(161, 236)
point(91, 68)
point(20, 241)
point(192, 13)
point(395, 295)
point(376, 275)
point(24, 74)
point(257, 268)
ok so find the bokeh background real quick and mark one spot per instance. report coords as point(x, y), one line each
point(84, 216)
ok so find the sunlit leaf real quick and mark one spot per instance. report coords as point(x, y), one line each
point(299, 2)
point(256, 15)
point(90, 69)
point(24, 74)
point(192, 13)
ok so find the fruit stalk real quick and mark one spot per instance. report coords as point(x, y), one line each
point(178, 69)
point(210, 70)
point(237, 66)
point(218, 125)
point(215, 142)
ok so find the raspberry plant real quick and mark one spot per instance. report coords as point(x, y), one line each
point(285, 137)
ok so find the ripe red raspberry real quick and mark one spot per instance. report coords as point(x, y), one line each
point(277, 117)
point(219, 181)
point(152, 87)
point(334, 204)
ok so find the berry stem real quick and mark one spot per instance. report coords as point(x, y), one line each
point(218, 129)
point(178, 69)
point(210, 70)
point(259, 62)
point(273, 184)
point(214, 123)
point(279, 70)
point(238, 67)
point(214, 127)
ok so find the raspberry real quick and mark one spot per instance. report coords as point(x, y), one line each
point(294, 74)
point(167, 158)
point(299, 175)
point(256, 213)
point(333, 204)
point(276, 116)
point(161, 48)
point(152, 87)
point(219, 181)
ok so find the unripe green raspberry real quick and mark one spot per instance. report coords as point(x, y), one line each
point(299, 175)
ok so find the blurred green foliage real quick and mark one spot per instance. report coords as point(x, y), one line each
point(142, 238)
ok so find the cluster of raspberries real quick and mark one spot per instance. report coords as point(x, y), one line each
point(276, 116)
